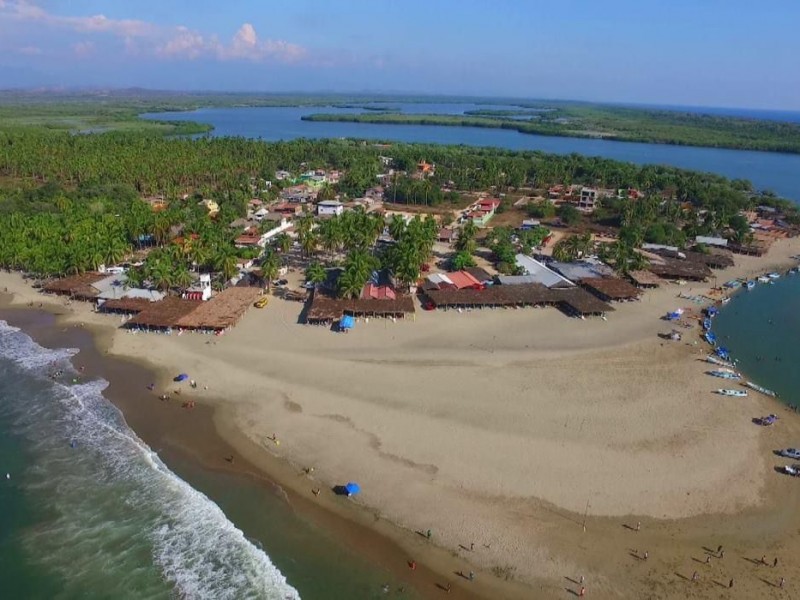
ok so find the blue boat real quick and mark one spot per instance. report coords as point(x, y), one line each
point(706, 323)
point(724, 374)
point(750, 285)
point(723, 353)
point(710, 337)
point(712, 311)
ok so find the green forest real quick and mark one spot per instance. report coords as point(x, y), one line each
point(608, 122)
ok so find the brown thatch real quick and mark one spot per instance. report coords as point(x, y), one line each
point(325, 307)
point(674, 268)
point(610, 288)
point(222, 311)
point(78, 286)
point(126, 305)
point(644, 279)
point(717, 258)
point(574, 300)
point(580, 302)
point(525, 294)
point(164, 313)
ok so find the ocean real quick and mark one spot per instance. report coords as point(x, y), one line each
point(90, 511)
point(761, 328)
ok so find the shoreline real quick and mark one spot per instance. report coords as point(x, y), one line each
point(566, 551)
point(194, 436)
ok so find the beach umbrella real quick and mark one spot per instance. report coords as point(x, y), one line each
point(181, 377)
point(347, 322)
point(352, 488)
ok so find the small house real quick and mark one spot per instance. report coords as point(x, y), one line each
point(328, 208)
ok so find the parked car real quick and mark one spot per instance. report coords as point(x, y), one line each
point(261, 302)
point(791, 453)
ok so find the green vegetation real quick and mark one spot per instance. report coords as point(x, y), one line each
point(613, 123)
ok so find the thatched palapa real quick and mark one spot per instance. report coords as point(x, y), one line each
point(674, 268)
point(325, 307)
point(610, 288)
point(77, 286)
point(644, 279)
point(222, 311)
point(126, 305)
point(165, 313)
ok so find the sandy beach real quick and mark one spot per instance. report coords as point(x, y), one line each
point(537, 439)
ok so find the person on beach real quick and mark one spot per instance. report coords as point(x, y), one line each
point(428, 534)
point(783, 581)
point(719, 549)
point(413, 565)
point(775, 562)
point(316, 492)
point(763, 559)
point(582, 592)
point(471, 546)
point(708, 559)
point(730, 583)
point(471, 576)
point(448, 588)
point(722, 553)
point(695, 576)
point(638, 525)
point(646, 555)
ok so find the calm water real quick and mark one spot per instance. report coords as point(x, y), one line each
point(767, 170)
point(89, 511)
point(761, 328)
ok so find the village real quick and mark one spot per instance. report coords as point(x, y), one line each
point(344, 259)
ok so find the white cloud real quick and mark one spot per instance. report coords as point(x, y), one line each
point(168, 42)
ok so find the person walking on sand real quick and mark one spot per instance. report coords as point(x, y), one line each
point(471, 546)
point(428, 534)
point(763, 559)
point(582, 592)
point(722, 553)
point(695, 576)
point(783, 581)
point(413, 565)
point(719, 549)
point(448, 588)
point(775, 562)
point(708, 559)
point(730, 583)
point(646, 555)
point(638, 525)
point(471, 576)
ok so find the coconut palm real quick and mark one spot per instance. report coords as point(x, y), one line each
point(270, 266)
point(316, 273)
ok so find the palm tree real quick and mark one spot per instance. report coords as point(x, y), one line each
point(283, 242)
point(316, 273)
point(182, 279)
point(308, 242)
point(270, 266)
point(397, 225)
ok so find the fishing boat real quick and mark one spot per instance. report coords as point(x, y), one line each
point(763, 279)
point(733, 284)
point(710, 337)
point(724, 374)
point(758, 388)
point(723, 353)
point(726, 299)
point(706, 324)
point(718, 361)
point(734, 393)
point(774, 275)
point(713, 311)
point(750, 285)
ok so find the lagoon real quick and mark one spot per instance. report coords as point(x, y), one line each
point(767, 170)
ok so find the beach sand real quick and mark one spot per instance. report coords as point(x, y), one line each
point(540, 439)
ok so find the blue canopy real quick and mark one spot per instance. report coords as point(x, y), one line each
point(181, 377)
point(352, 488)
point(347, 322)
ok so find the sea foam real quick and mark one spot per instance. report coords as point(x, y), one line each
point(115, 499)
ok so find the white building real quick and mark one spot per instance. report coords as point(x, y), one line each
point(329, 208)
point(589, 199)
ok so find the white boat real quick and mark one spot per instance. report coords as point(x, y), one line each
point(718, 361)
point(724, 374)
point(774, 275)
point(758, 388)
point(734, 393)
point(726, 299)
point(763, 279)
point(751, 285)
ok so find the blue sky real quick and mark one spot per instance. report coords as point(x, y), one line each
point(701, 52)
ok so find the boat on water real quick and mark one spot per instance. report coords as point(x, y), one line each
point(734, 393)
point(706, 324)
point(710, 337)
point(713, 311)
point(726, 299)
point(758, 388)
point(774, 275)
point(750, 285)
point(733, 284)
point(724, 374)
point(723, 353)
point(718, 361)
point(763, 279)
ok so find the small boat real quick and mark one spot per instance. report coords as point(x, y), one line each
point(706, 324)
point(750, 285)
point(724, 374)
point(726, 299)
point(710, 337)
point(774, 275)
point(713, 311)
point(718, 361)
point(733, 284)
point(763, 279)
point(734, 393)
point(758, 388)
point(723, 353)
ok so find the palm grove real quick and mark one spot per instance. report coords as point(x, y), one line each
point(69, 203)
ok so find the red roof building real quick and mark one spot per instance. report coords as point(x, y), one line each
point(378, 292)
